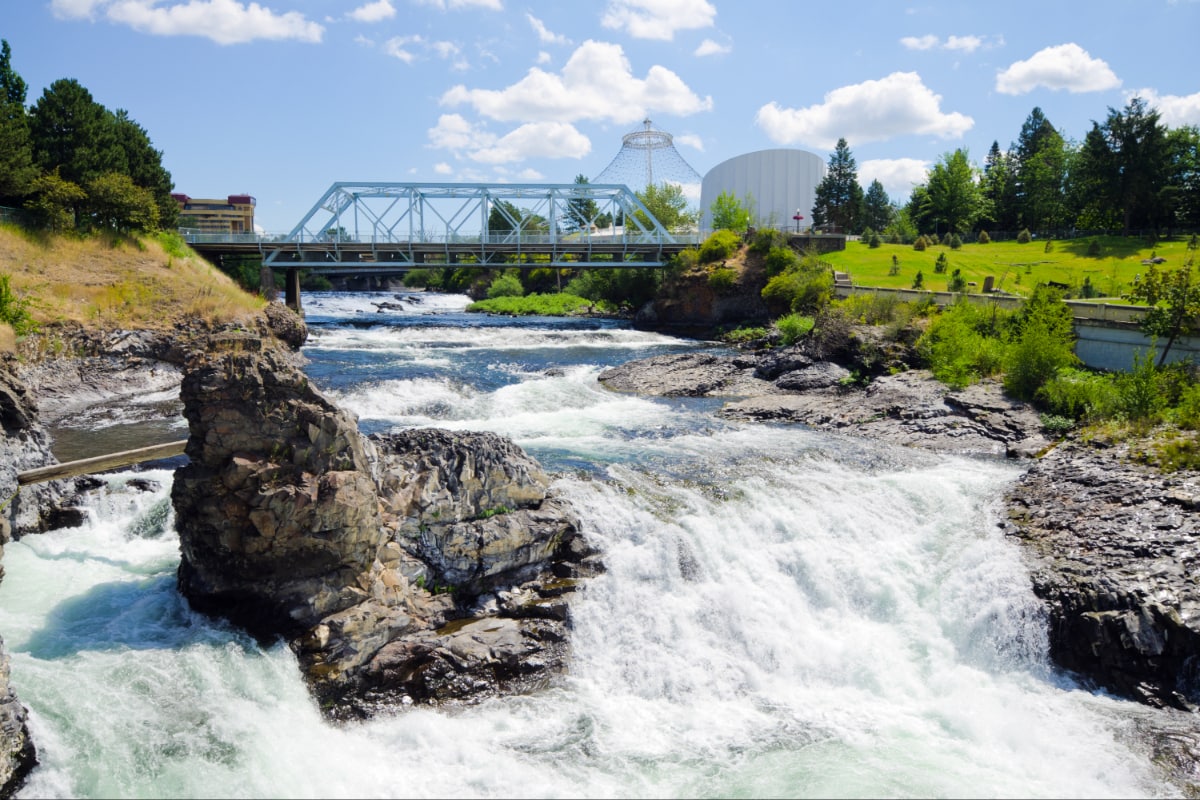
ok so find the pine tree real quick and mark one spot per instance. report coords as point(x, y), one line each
point(16, 149)
point(839, 199)
point(877, 208)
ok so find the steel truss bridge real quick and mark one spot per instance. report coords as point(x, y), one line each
point(366, 228)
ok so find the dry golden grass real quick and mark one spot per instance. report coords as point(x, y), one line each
point(109, 283)
point(8, 339)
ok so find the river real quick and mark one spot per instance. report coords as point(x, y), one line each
point(785, 612)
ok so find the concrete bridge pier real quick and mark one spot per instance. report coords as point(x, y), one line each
point(291, 294)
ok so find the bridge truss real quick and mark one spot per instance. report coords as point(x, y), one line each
point(391, 227)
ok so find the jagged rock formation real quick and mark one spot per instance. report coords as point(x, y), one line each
point(1112, 546)
point(21, 442)
point(421, 566)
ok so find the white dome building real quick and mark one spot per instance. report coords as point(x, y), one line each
point(779, 183)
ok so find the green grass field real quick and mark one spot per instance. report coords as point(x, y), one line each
point(1016, 268)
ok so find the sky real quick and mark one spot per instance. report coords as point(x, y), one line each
point(279, 99)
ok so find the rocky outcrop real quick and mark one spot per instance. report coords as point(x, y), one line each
point(795, 385)
point(425, 566)
point(22, 443)
point(1113, 550)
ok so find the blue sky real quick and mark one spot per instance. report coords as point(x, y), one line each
point(280, 98)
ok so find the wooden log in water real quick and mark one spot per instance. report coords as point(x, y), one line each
point(101, 463)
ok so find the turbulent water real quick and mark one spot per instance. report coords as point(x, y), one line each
point(785, 612)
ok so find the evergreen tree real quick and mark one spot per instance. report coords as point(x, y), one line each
point(1138, 144)
point(1183, 145)
point(144, 165)
point(1041, 168)
point(952, 195)
point(878, 211)
point(998, 188)
point(16, 149)
point(75, 134)
point(582, 211)
point(1091, 190)
point(839, 198)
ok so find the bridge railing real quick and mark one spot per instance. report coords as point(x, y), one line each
point(495, 239)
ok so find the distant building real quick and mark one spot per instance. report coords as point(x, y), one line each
point(235, 214)
point(779, 183)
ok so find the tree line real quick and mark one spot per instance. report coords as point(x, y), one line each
point(1130, 173)
point(69, 163)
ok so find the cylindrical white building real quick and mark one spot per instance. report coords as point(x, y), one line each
point(775, 184)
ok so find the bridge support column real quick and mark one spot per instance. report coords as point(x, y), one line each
point(291, 294)
point(266, 283)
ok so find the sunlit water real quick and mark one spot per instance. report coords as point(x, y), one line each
point(785, 612)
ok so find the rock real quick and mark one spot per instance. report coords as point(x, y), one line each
point(286, 325)
point(1113, 553)
point(358, 552)
point(683, 375)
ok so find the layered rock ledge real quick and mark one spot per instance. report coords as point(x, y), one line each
point(426, 566)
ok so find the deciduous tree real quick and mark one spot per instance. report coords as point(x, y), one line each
point(1173, 297)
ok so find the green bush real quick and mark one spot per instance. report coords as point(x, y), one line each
point(1139, 391)
point(505, 286)
point(1035, 358)
point(957, 282)
point(743, 335)
point(1024, 237)
point(1094, 250)
point(874, 241)
point(1079, 395)
point(722, 280)
point(766, 239)
point(14, 310)
point(960, 345)
point(954, 241)
point(719, 246)
point(806, 286)
point(1056, 425)
point(793, 328)
point(921, 243)
point(939, 266)
point(780, 260)
point(919, 280)
point(1187, 412)
point(548, 305)
point(983, 238)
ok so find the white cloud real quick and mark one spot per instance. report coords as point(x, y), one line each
point(545, 36)
point(442, 168)
point(454, 5)
point(926, 42)
point(967, 44)
point(1175, 110)
point(531, 176)
point(1065, 66)
point(543, 57)
point(223, 21)
point(691, 140)
point(898, 175)
point(373, 12)
point(962, 44)
point(658, 19)
point(897, 105)
point(597, 83)
point(75, 9)
point(535, 139)
point(398, 47)
point(444, 49)
point(710, 48)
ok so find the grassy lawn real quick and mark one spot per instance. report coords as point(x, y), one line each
point(547, 305)
point(1017, 268)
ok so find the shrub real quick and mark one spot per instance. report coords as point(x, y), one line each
point(779, 260)
point(960, 346)
point(765, 239)
point(932, 238)
point(1139, 391)
point(744, 335)
point(1093, 249)
point(14, 310)
point(921, 243)
point(865, 236)
point(719, 246)
point(806, 286)
point(505, 286)
point(983, 238)
point(1049, 248)
point(1035, 358)
point(1078, 394)
point(871, 309)
point(1055, 425)
point(1187, 412)
point(1024, 237)
point(793, 328)
point(957, 282)
point(722, 279)
point(874, 241)
point(939, 266)
point(894, 269)
point(919, 280)
point(954, 241)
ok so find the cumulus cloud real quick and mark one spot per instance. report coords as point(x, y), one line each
point(1175, 110)
point(596, 83)
point(540, 139)
point(1065, 66)
point(544, 34)
point(222, 21)
point(710, 48)
point(872, 111)
point(400, 47)
point(926, 42)
point(373, 12)
point(966, 44)
point(405, 48)
point(691, 140)
point(442, 168)
point(898, 175)
point(658, 19)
